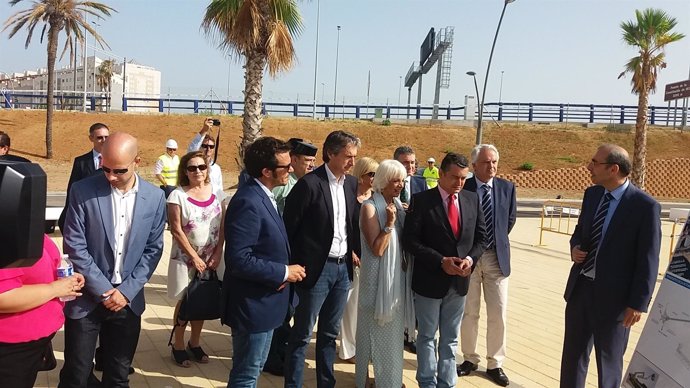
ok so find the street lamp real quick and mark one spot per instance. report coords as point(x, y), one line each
point(323, 91)
point(500, 89)
point(476, 89)
point(335, 84)
point(316, 56)
point(486, 77)
point(93, 85)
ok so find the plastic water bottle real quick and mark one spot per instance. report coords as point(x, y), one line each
point(64, 270)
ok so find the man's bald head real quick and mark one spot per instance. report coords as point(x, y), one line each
point(121, 144)
point(617, 155)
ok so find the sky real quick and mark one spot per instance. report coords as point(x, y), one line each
point(548, 51)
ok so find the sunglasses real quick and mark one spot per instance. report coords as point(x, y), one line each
point(116, 171)
point(101, 138)
point(208, 146)
point(172, 149)
point(287, 166)
point(371, 174)
point(201, 167)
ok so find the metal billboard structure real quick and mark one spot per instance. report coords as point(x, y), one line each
point(437, 47)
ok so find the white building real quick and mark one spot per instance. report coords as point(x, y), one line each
point(142, 81)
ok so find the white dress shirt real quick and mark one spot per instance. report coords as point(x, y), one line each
point(337, 188)
point(123, 212)
point(96, 159)
point(456, 202)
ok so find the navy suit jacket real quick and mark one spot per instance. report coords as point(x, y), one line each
point(417, 184)
point(428, 236)
point(505, 213)
point(628, 259)
point(89, 238)
point(308, 219)
point(256, 253)
point(82, 167)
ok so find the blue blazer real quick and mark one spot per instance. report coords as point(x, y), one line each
point(628, 260)
point(256, 253)
point(89, 238)
point(505, 213)
point(417, 185)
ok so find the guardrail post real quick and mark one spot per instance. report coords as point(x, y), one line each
point(560, 113)
point(388, 112)
point(357, 112)
point(530, 114)
point(652, 114)
point(418, 114)
point(8, 100)
point(591, 113)
point(325, 112)
point(229, 107)
point(124, 104)
point(196, 106)
point(160, 105)
point(448, 114)
point(295, 110)
point(500, 111)
point(622, 118)
point(92, 101)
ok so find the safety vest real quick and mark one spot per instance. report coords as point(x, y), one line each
point(170, 166)
point(431, 176)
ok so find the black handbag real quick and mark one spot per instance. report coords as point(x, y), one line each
point(48, 361)
point(202, 299)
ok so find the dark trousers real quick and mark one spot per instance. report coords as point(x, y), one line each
point(585, 328)
point(325, 301)
point(167, 190)
point(19, 363)
point(276, 354)
point(119, 335)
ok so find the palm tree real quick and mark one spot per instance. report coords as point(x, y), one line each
point(104, 79)
point(55, 16)
point(649, 34)
point(262, 32)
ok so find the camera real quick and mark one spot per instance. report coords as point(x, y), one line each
point(216, 122)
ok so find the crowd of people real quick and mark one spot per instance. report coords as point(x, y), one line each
point(383, 257)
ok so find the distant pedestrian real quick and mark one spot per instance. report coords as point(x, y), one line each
point(165, 168)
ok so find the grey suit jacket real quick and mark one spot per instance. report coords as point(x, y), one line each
point(89, 239)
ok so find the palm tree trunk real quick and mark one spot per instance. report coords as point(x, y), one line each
point(640, 151)
point(253, 85)
point(52, 54)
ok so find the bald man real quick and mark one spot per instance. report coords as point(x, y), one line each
point(114, 237)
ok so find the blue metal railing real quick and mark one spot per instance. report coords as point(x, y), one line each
point(503, 111)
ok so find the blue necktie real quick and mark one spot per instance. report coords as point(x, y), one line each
point(488, 216)
point(595, 236)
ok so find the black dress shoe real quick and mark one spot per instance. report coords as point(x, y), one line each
point(411, 346)
point(466, 368)
point(498, 376)
point(275, 369)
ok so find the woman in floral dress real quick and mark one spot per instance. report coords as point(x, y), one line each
point(195, 215)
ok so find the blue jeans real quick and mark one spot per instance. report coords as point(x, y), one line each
point(249, 352)
point(327, 301)
point(443, 315)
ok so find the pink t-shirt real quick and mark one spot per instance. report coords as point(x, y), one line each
point(40, 321)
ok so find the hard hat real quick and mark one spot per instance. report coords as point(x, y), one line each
point(431, 160)
point(171, 144)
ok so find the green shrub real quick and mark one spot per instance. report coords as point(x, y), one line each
point(527, 166)
point(386, 122)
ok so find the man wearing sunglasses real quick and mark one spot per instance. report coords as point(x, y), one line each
point(87, 164)
point(204, 142)
point(114, 236)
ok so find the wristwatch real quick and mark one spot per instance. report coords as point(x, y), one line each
point(387, 229)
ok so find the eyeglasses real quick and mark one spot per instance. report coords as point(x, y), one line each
point(371, 174)
point(101, 138)
point(208, 146)
point(287, 166)
point(595, 162)
point(172, 149)
point(201, 167)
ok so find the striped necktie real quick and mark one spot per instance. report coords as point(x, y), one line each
point(595, 237)
point(488, 216)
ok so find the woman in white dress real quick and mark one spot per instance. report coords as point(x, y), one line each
point(195, 215)
point(382, 281)
point(364, 170)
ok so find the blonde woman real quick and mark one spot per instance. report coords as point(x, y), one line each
point(364, 170)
